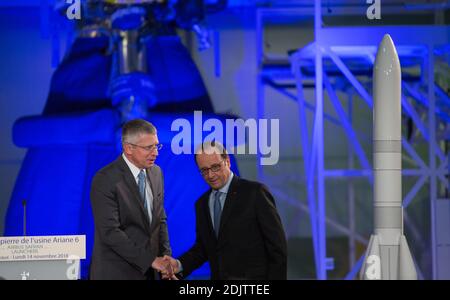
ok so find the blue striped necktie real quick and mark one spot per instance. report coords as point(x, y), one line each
point(141, 184)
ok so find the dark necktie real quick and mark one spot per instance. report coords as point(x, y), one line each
point(217, 212)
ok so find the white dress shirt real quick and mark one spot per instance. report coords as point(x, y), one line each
point(148, 190)
point(222, 197)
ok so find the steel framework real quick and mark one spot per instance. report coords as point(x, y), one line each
point(348, 50)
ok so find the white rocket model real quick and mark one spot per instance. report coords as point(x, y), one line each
point(388, 255)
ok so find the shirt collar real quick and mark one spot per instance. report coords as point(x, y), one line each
point(134, 170)
point(225, 188)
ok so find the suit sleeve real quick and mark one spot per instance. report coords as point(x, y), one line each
point(272, 230)
point(106, 217)
point(164, 243)
point(196, 256)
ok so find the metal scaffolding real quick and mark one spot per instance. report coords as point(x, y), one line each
point(340, 52)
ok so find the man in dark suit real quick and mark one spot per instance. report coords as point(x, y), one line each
point(127, 196)
point(238, 227)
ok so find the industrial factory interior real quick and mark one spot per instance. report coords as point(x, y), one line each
point(343, 107)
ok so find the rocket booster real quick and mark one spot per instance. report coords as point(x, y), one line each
point(388, 255)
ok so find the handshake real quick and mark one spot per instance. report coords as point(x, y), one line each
point(167, 266)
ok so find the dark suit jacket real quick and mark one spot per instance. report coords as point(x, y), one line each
point(125, 244)
point(251, 242)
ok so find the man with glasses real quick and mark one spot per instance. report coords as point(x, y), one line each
point(127, 196)
point(238, 227)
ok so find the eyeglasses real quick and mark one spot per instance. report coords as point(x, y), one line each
point(149, 148)
point(214, 168)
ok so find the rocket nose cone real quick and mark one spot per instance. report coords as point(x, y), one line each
point(387, 59)
point(387, 92)
point(387, 45)
point(387, 40)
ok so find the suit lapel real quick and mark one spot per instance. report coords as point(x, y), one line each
point(155, 205)
point(206, 212)
point(132, 186)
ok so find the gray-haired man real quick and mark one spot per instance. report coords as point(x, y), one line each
point(127, 202)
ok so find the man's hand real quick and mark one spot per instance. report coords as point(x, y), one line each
point(174, 267)
point(173, 263)
point(164, 267)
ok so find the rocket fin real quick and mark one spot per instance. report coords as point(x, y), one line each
point(371, 269)
point(406, 267)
